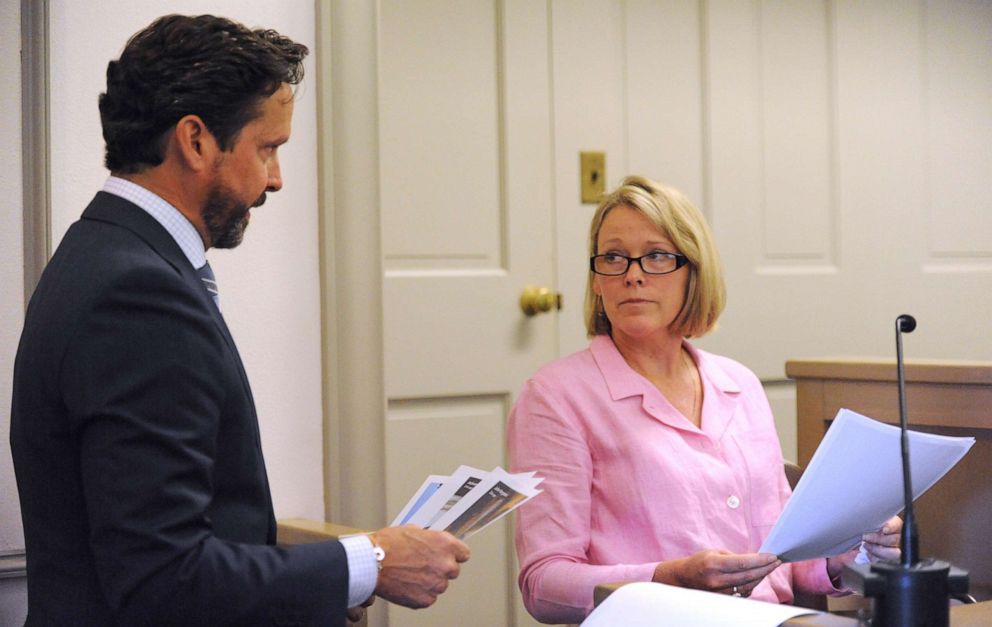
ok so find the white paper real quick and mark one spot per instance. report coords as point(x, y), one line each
point(468, 500)
point(496, 495)
point(426, 490)
point(853, 484)
point(454, 488)
point(646, 604)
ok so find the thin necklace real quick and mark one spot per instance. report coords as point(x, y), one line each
point(692, 378)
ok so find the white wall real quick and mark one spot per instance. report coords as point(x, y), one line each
point(13, 603)
point(11, 258)
point(269, 285)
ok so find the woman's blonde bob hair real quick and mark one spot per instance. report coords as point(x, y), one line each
point(685, 226)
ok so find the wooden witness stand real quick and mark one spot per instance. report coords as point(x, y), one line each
point(948, 398)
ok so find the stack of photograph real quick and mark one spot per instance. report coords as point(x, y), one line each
point(468, 500)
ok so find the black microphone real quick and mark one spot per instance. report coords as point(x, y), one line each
point(910, 592)
point(910, 540)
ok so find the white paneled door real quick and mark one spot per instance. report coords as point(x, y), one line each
point(466, 192)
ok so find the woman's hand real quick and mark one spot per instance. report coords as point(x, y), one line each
point(879, 545)
point(884, 543)
point(718, 571)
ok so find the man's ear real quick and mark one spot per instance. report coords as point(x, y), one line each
point(194, 142)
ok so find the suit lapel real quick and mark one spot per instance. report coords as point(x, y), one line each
point(118, 211)
point(115, 210)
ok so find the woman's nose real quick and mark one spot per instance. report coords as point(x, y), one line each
point(634, 274)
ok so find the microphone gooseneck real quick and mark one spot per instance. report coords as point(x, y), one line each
point(909, 592)
point(910, 539)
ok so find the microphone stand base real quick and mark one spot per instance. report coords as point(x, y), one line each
point(907, 596)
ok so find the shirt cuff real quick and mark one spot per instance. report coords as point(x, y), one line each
point(363, 572)
point(831, 587)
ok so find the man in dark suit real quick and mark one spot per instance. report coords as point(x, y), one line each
point(135, 441)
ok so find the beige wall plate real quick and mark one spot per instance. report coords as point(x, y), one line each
point(592, 166)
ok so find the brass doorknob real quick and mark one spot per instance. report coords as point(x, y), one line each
point(535, 300)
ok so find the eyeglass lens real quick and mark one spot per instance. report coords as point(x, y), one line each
point(652, 263)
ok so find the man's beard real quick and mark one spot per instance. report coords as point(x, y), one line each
point(225, 217)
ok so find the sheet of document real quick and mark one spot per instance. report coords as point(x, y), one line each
point(853, 484)
point(426, 490)
point(495, 496)
point(646, 604)
point(468, 500)
point(444, 497)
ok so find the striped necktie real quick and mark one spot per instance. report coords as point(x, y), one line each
point(209, 282)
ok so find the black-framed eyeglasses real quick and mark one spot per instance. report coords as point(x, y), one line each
point(615, 264)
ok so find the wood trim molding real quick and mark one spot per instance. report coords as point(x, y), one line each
point(35, 145)
point(860, 369)
point(302, 531)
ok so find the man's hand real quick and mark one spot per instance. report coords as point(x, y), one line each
point(418, 564)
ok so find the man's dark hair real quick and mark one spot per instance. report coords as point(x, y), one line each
point(183, 65)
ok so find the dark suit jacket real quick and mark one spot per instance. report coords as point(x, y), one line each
point(136, 448)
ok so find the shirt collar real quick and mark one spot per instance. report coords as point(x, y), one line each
point(720, 398)
point(171, 219)
point(623, 381)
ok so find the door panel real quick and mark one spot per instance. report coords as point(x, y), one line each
point(434, 436)
point(773, 201)
point(840, 106)
point(588, 44)
point(465, 186)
